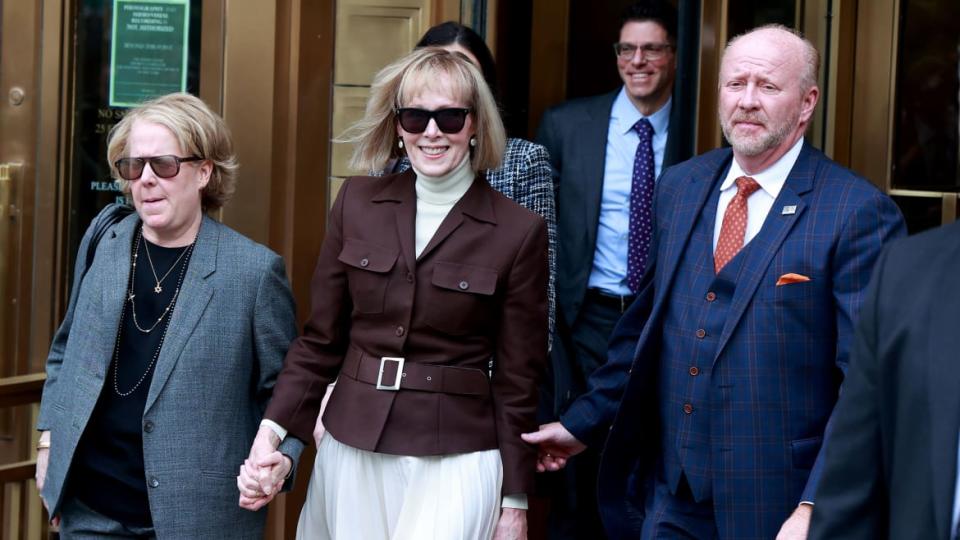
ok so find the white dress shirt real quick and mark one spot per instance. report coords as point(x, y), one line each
point(609, 271)
point(760, 202)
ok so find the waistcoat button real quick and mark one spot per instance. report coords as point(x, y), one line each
point(701, 333)
point(687, 408)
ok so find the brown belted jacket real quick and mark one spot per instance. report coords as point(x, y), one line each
point(468, 318)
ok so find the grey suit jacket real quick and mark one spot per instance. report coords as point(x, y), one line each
point(575, 136)
point(215, 374)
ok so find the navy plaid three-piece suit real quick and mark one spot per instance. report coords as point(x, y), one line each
point(728, 380)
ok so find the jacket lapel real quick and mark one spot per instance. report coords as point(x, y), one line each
point(593, 164)
point(768, 241)
point(195, 294)
point(691, 199)
point(943, 380)
point(401, 191)
point(771, 236)
point(475, 203)
point(116, 246)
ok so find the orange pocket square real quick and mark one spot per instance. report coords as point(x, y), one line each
point(787, 279)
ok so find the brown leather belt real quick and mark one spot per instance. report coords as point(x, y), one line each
point(383, 372)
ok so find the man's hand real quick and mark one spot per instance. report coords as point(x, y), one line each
point(512, 525)
point(797, 525)
point(556, 446)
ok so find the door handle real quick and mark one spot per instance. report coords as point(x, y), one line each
point(8, 210)
point(9, 172)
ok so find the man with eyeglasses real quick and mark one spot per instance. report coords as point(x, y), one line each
point(606, 152)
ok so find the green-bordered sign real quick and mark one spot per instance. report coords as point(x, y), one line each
point(148, 53)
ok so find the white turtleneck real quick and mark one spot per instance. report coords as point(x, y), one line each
point(436, 195)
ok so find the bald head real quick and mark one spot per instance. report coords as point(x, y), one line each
point(767, 94)
point(789, 42)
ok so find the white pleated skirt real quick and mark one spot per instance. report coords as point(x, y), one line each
point(356, 494)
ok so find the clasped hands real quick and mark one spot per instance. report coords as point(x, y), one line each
point(263, 472)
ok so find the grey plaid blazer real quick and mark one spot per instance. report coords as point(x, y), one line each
point(215, 374)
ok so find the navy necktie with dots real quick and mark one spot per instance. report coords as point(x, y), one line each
point(641, 203)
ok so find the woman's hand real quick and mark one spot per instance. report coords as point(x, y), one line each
point(318, 429)
point(43, 460)
point(512, 525)
point(251, 496)
point(264, 471)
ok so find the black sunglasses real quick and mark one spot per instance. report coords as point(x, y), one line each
point(131, 168)
point(416, 120)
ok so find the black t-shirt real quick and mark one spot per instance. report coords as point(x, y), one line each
point(108, 471)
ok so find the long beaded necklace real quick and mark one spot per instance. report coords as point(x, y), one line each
point(133, 311)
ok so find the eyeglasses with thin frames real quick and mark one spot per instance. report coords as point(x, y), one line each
point(131, 168)
point(449, 120)
point(650, 51)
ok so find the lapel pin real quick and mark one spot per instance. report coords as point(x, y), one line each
point(789, 210)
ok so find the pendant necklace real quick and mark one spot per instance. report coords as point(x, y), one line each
point(131, 296)
point(133, 312)
point(158, 289)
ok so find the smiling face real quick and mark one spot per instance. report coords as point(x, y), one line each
point(763, 108)
point(649, 83)
point(433, 152)
point(169, 207)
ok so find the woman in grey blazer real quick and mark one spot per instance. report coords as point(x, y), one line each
point(159, 375)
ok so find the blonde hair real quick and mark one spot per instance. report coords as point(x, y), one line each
point(375, 136)
point(199, 132)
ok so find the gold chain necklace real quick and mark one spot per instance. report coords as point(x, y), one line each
point(158, 289)
point(133, 311)
point(131, 296)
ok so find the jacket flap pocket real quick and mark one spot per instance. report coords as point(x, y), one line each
point(805, 452)
point(367, 256)
point(465, 278)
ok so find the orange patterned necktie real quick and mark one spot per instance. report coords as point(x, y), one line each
point(734, 224)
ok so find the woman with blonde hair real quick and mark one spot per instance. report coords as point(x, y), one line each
point(430, 305)
point(175, 332)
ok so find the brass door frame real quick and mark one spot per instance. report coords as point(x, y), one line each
point(874, 101)
point(33, 77)
point(874, 83)
point(36, 70)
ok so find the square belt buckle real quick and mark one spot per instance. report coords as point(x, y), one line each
point(396, 383)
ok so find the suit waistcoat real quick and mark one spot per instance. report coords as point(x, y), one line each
point(697, 311)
